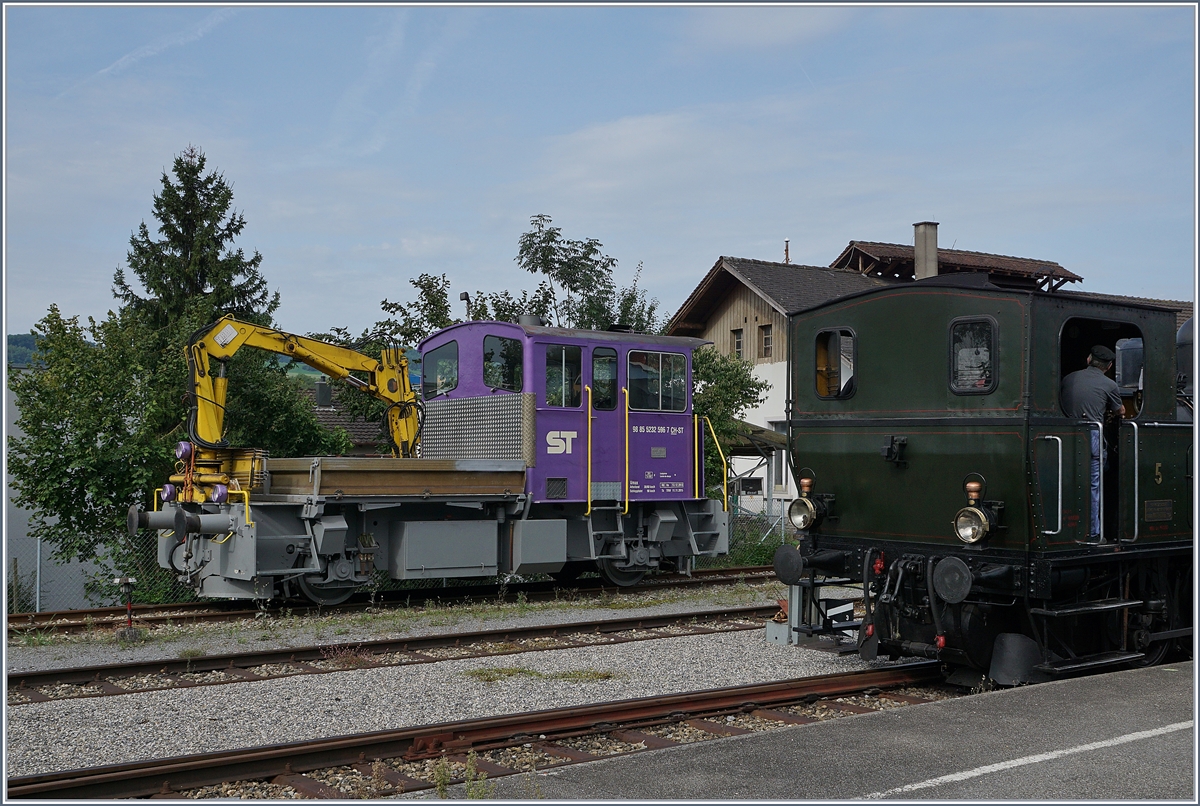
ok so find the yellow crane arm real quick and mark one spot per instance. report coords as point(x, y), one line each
point(387, 379)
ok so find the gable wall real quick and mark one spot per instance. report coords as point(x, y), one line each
point(742, 308)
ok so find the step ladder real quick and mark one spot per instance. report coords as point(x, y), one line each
point(1085, 608)
point(1087, 662)
point(612, 525)
point(703, 540)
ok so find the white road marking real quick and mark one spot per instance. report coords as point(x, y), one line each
point(1020, 762)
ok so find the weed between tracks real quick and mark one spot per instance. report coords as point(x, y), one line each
point(383, 622)
point(494, 674)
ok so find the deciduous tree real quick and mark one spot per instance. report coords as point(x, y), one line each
point(104, 402)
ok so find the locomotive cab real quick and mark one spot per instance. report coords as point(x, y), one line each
point(941, 473)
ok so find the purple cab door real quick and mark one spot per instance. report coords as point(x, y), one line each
point(562, 424)
point(608, 427)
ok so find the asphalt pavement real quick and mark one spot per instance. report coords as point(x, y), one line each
point(1123, 735)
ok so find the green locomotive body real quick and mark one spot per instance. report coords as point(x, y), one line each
point(939, 470)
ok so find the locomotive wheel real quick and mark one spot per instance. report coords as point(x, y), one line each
point(323, 594)
point(621, 577)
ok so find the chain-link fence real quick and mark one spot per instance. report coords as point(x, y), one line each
point(757, 526)
point(36, 582)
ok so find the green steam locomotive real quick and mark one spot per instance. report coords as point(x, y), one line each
point(939, 470)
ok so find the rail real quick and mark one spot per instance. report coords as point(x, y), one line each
point(168, 775)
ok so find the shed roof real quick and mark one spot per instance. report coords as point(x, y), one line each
point(890, 256)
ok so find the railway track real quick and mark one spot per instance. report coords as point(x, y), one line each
point(65, 622)
point(389, 762)
point(128, 678)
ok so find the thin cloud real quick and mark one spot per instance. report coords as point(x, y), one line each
point(165, 43)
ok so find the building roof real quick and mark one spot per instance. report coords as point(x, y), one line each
point(1183, 308)
point(362, 433)
point(890, 259)
point(785, 286)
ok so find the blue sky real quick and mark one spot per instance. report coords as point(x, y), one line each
point(367, 145)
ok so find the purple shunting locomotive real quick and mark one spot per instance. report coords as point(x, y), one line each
point(603, 423)
point(543, 450)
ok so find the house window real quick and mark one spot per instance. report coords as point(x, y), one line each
point(835, 363)
point(972, 356)
point(502, 363)
point(439, 370)
point(657, 381)
point(735, 342)
point(564, 371)
point(765, 336)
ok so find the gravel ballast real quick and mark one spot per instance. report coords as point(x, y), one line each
point(283, 633)
point(68, 734)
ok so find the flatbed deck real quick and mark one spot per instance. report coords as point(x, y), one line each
point(384, 476)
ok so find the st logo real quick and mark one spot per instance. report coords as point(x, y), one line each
point(559, 441)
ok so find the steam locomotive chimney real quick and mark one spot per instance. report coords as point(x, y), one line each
point(925, 250)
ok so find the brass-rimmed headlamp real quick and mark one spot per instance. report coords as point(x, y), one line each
point(973, 522)
point(805, 512)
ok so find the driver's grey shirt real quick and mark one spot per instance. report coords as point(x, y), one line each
point(1087, 393)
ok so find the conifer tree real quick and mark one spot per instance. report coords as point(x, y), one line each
point(102, 404)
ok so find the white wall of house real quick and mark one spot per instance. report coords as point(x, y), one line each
point(770, 414)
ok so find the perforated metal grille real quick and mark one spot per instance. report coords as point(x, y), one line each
point(556, 488)
point(491, 427)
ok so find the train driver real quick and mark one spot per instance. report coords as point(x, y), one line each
point(1089, 394)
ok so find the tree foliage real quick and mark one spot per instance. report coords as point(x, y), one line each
point(104, 405)
point(579, 289)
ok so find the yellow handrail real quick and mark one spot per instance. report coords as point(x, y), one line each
point(245, 494)
point(724, 466)
point(588, 511)
point(696, 455)
point(154, 507)
point(625, 392)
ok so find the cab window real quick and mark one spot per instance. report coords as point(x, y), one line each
point(439, 370)
point(604, 379)
point(836, 358)
point(972, 356)
point(502, 363)
point(657, 381)
point(564, 373)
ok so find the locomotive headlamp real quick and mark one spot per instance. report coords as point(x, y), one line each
point(802, 513)
point(971, 524)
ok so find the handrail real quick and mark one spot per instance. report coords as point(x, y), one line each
point(588, 511)
point(625, 392)
point(696, 436)
point(724, 465)
point(245, 494)
point(1136, 508)
point(1060, 485)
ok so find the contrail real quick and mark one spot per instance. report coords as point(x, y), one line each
point(207, 24)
